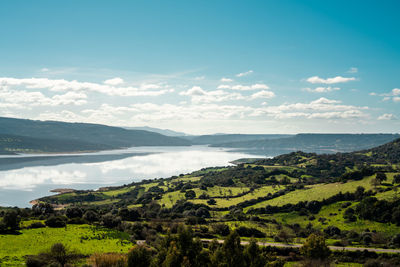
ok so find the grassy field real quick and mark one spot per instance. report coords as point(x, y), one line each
point(225, 202)
point(85, 239)
point(333, 215)
point(315, 192)
point(170, 198)
point(116, 192)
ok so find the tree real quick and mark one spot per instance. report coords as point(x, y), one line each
point(42, 208)
point(74, 212)
point(375, 182)
point(190, 194)
point(253, 256)
point(91, 216)
point(139, 256)
point(232, 250)
point(211, 201)
point(359, 192)
point(396, 179)
point(56, 221)
point(315, 247)
point(58, 255)
point(284, 236)
point(129, 214)
point(203, 212)
point(380, 176)
point(110, 220)
point(11, 220)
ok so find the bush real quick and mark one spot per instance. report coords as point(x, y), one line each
point(221, 229)
point(91, 216)
point(58, 255)
point(36, 225)
point(76, 220)
point(35, 261)
point(11, 219)
point(190, 194)
point(211, 201)
point(332, 230)
point(74, 212)
point(108, 260)
point(56, 221)
point(315, 248)
point(139, 256)
point(110, 220)
point(249, 232)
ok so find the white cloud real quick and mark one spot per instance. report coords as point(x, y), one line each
point(28, 178)
point(337, 79)
point(387, 116)
point(210, 108)
point(44, 69)
point(198, 95)
point(224, 86)
point(394, 95)
point(244, 73)
point(22, 99)
point(352, 70)
point(149, 86)
point(226, 80)
point(194, 91)
point(64, 85)
point(199, 78)
point(114, 81)
point(396, 91)
point(262, 94)
point(321, 108)
point(373, 94)
point(322, 89)
point(240, 87)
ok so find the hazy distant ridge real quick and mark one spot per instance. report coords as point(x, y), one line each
point(327, 143)
point(55, 136)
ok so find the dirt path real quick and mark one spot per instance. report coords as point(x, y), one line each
point(299, 245)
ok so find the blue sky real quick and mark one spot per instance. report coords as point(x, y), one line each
point(204, 66)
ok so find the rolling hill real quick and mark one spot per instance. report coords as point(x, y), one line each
point(319, 143)
point(54, 136)
point(217, 139)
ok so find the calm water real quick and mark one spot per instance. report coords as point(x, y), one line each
point(27, 177)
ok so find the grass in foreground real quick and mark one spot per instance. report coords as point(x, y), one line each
point(86, 239)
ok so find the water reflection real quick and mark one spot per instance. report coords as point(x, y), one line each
point(18, 186)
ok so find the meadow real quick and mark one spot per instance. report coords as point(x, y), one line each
point(85, 239)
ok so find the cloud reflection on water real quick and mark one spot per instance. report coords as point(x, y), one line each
point(120, 171)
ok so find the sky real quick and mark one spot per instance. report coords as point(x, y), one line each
point(204, 67)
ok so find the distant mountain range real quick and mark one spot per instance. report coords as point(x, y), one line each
point(217, 139)
point(20, 135)
point(166, 132)
point(318, 143)
point(29, 136)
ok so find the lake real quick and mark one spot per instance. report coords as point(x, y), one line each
point(27, 177)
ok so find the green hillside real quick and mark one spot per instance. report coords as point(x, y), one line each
point(18, 135)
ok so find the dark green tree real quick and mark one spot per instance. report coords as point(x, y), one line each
point(381, 176)
point(315, 247)
point(396, 179)
point(190, 194)
point(11, 220)
point(232, 251)
point(139, 256)
point(253, 256)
